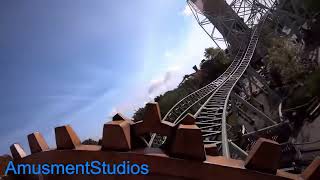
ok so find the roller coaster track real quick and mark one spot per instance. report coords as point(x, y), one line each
point(181, 108)
point(185, 157)
point(211, 116)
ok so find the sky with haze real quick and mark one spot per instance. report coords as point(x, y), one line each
point(79, 62)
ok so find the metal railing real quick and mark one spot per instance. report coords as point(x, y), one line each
point(181, 107)
point(211, 117)
point(177, 112)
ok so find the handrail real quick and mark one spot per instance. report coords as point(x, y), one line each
point(209, 116)
point(219, 99)
point(214, 83)
point(221, 78)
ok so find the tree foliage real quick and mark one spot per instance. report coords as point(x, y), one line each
point(284, 61)
point(289, 73)
point(312, 5)
point(90, 142)
point(214, 64)
point(313, 83)
point(138, 115)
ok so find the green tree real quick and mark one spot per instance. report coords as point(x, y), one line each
point(138, 115)
point(210, 53)
point(214, 64)
point(312, 5)
point(313, 83)
point(283, 61)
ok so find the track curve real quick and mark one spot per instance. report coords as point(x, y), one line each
point(211, 117)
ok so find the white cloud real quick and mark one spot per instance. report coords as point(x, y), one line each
point(168, 54)
point(163, 84)
point(179, 61)
point(186, 11)
point(113, 111)
point(190, 52)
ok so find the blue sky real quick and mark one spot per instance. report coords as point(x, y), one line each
point(79, 62)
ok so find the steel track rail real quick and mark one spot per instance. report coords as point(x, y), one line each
point(211, 117)
point(182, 107)
point(177, 112)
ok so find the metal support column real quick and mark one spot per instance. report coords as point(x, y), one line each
point(254, 109)
point(272, 94)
